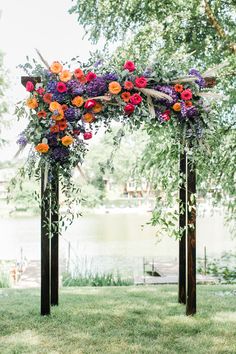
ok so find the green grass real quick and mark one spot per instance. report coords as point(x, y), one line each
point(124, 320)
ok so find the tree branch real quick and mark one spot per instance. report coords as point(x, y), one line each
point(216, 25)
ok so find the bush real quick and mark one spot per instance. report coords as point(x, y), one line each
point(223, 268)
point(4, 279)
point(96, 279)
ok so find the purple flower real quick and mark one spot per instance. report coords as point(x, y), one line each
point(188, 112)
point(97, 63)
point(60, 154)
point(159, 116)
point(59, 97)
point(22, 140)
point(72, 114)
point(200, 81)
point(75, 88)
point(110, 77)
point(147, 72)
point(51, 86)
point(52, 140)
point(183, 110)
point(168, 90)
point(96, 87)
point(192, 112)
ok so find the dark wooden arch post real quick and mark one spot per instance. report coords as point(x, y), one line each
point(191, 238)
point(55, 238)
point(45, 245)
point(182, 227)
point(49, 249)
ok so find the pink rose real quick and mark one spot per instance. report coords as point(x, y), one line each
point(129, 108)
point(141, 82)
point(40, 91)
point(136, 99)
point(90, 104)
point(90, 76)
point(186, 95)
point(29, 86)
point(129, 65)
point(87, 135)
point(61, 87)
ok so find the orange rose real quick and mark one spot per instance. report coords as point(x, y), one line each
point(177, 107)
point(88, 117)
point(47, 98)
point(67, 140)
point(42, 114)
point(125, 96)
point(56, 67)
point(188, 103)
point(78, 73)
point(54, 106)
point(42, 148)
point(32, 103)
point(54, 129)
point(65, 75)
point(97, 108)
point(178, 88)
point(78, 101)
point(82, 79)
point(114, 87)
point(62, 124)
point(58, 114)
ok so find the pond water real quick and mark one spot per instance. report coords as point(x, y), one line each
point(111, 241)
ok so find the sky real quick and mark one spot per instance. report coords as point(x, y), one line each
point(42, 24)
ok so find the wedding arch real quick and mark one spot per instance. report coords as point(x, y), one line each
point(66, 106)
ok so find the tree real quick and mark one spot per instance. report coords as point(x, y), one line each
point(199, 33)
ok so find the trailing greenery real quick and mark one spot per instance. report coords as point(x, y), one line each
point(94, 279)
point(182, 35)
point(223, 268)
point(3, 104)
point(140, 320)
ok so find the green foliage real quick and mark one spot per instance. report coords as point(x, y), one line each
point(223, 268)
point(95, 279)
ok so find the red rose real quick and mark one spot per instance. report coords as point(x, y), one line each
point(128, 85)
point(129, 108)
point(90, 104)
point(166, 115)
point(141, 82)
point(29, 86)
point(136, 99)
point(40, 91)
point(61, 87)
point(186, 95)
point(90, 76)
point(76, 132)
point(129, 65)
point(87, 135)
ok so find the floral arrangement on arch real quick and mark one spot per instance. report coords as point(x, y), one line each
point(66, 107)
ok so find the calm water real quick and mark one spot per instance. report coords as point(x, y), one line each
point(111, 241)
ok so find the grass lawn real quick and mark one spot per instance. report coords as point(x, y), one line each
point(120, 320)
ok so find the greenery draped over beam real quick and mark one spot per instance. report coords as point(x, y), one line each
point(3, 105)
point(201, 34)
